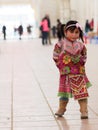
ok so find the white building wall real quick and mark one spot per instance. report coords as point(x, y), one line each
point(85, 9)
point(62, 9)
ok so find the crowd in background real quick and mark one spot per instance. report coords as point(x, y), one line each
point(19, 31)
point(48, 31)
point(89, 26)
point(57, 29)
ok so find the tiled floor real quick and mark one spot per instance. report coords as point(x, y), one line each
point(29, 84)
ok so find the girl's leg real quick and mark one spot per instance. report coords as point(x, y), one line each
point(83, 108)
point(62, 106)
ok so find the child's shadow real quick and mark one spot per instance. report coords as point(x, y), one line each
point(63, 123)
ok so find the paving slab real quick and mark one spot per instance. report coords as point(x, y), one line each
point(29, 84)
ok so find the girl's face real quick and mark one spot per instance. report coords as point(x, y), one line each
point(72, 35)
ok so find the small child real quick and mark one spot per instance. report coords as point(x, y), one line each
point(70, 56)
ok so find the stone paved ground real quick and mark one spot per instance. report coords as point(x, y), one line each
point(28, 88)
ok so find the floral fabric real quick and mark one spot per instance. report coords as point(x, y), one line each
point(70, 59)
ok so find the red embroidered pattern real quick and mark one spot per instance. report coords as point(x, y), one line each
point(78, 86)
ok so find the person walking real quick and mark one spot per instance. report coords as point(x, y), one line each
point(70, 56)
point(44, 30)
point(91, 24)
point(20, 31)
point(87, 26)
point(54, 31)
point(59, 32)
point(49, 26)
point(4, 32)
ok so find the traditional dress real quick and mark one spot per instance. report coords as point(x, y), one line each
point(70, 58)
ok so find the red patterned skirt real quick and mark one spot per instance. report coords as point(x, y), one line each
point(74, 86)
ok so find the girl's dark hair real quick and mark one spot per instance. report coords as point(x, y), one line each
point(62, 30)
point(73, 27)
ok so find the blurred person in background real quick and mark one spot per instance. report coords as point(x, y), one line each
point(53, 31)
point(87, 26)
point(91, 24)
point(29, 27)
point(44, 30)
point(59, 33)
point(4, 32)
point(49, 26)
point(20, 31)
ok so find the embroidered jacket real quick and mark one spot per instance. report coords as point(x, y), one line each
point(70, 57)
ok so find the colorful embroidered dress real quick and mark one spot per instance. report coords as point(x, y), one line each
point(70, 59)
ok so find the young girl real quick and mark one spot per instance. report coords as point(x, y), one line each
point(70, 56)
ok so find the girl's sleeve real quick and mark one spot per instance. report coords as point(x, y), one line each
point(83, 55)
point(56, 53)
